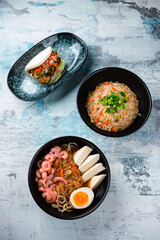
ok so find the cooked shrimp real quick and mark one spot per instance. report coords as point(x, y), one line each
point(48, 183)
point(53, 170)
point(55, 152)
point(39, 163)
point(46, 166)
point(36, 179)
point(53, 195)
point(60, 179)
point(47, 196)
point(41, 183)
point(46, 177)
point(52, 187)
point(63, 154)
point(41, 170)
point(42, 189)
point(50, 157)
point(38, 174)
point(58, 148)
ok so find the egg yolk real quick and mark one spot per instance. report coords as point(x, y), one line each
point(80, 198)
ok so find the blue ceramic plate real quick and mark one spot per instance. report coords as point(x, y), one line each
point(71, 48)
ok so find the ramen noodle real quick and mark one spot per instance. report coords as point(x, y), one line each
point(58, 176)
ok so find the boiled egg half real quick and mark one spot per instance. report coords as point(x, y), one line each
point(81, 197)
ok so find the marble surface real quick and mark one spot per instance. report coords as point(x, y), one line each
point(121, 33)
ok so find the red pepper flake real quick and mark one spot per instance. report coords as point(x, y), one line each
point(92, 109)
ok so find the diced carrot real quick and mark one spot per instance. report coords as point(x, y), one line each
point(106, 122)
point(74, 168)
point(101, 125)
point(101, 113)
point(61, 171)
point(113, 89)
point(106, 83)
point(90, 99)
point(47, 63)
point(113, 129)
point(92, 109)
point(99, 96)
point(57, 161)
point(96, 120)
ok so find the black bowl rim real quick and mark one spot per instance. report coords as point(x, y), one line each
point(105, 133)
point(108, 176)
point(31, 100)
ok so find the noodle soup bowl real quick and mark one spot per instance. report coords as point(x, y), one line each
point(114, 74)
point(100, 193)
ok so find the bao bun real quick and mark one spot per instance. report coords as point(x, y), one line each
point(39, 59)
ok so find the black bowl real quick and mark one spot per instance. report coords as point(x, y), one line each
point(122, 76)
point(99, 196)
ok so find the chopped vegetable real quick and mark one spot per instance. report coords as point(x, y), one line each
point(90, 99)
point(106, 122)
point(106, 83)
point(101, 125)
point(48, 63)
point(113, 129)
point(61, 171)
point(99, 96)
point(116, 116)
point(139, 114)
point(113, 102)
point(96, 120)
point(122, 94)
point(101, 113)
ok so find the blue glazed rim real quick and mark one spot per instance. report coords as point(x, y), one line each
point(45, 95)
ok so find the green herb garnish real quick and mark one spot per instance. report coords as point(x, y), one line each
point(113, 102)
point(139, 114)
point(122, 94)
point(116, 116)
point(92, 121)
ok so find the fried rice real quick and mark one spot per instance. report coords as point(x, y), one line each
point(112, 106)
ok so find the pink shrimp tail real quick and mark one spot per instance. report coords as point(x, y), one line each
point(60, 179)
